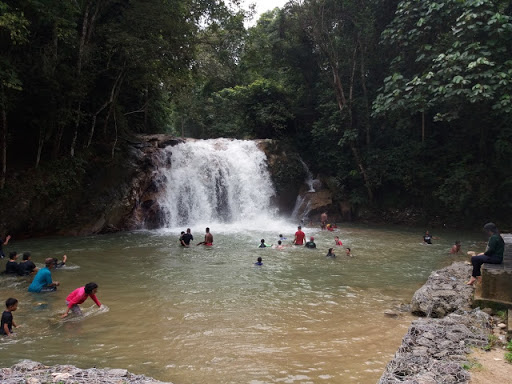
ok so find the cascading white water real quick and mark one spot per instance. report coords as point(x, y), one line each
point(216, 181)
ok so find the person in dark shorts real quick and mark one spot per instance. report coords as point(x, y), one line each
point(7, 321)
point(43, 279)
point(27, 266)
point(11, 268)
point(493, 253)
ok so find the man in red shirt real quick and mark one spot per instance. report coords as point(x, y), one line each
point(299, 236)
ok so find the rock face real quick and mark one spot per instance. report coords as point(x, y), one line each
point(31, 372)
point(434, 350)
point(444, 292)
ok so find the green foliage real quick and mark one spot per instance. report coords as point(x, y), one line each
point(508, 355)
point(472, 365)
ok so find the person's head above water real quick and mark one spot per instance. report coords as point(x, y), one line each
point(12, 255)
point(311, 238)
point(260, 259)
point(299, 227)
point(207, 229)
point(491, 228)
point(188, 230)
point(26, 255)
point(330, 250)
point(279, 242)
point(262, 241)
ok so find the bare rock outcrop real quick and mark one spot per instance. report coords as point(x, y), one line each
point(444, 292)
point(32, 372)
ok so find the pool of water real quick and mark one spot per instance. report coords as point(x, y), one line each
point(208, 315)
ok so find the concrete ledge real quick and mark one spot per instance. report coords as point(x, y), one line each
point(497, 278)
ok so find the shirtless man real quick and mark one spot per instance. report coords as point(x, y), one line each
point(208, 238)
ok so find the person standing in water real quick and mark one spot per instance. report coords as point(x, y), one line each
point(299, 236)
point(455, 248)
point(311, 243)
point(186, 238)
point(323, 220)
point(78, 296)
point(43, 279)
point(208, 238)
point(11, 304)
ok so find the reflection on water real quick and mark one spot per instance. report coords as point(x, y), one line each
point(208, 315)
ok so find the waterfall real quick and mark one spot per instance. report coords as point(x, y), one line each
point(309, 177)
point(215, 181)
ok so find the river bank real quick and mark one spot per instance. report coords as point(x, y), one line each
point(32, 372)
point(437, 349)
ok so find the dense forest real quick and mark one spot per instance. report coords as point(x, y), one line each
point(396, 104)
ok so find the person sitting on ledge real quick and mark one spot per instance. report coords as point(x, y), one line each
point(493, 253)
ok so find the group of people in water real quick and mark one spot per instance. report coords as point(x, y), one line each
point(42, 282)
point(300, 240)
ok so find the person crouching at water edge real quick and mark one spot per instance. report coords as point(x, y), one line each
point(493, 253)
point(78, 296)
point(43, 279)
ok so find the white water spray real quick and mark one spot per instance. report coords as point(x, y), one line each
point(216, 181)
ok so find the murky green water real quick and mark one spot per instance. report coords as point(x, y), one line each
point(208, 315)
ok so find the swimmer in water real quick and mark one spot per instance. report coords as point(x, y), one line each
point(337, 241)
point(208, 238)
point(311, 243)
point(456, 248)
point(259, 262)
point(279, 245)
point(263, 245)
point(330, 253)
point(348, 252)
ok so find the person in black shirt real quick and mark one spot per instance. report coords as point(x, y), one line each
point(12, 266)
point(27, 266)
point(311, 243)
point(186, 238)
point(59, 264)
point(7, 321)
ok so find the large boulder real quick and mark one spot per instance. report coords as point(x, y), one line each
point(444, 292)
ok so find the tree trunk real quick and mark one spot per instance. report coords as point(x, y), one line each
point(117, 83)
point(422, 126)
point(77, 124)
point(366, 123)
point(40, 145)
point(115, 134)
point(4, 148)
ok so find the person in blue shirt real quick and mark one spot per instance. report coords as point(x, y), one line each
point(43, 279)
point(259, 262)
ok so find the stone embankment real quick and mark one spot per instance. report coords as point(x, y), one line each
point(435, 348)
point(31, 372)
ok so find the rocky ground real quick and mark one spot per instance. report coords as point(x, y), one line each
point(436, 348)
point(31, 372)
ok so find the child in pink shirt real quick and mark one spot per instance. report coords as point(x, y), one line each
point(79, 295)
